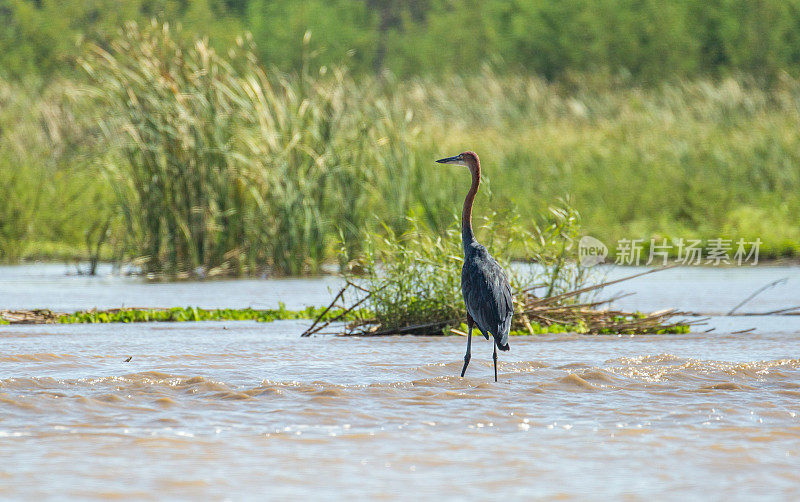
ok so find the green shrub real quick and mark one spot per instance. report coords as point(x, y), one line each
point(415, 277)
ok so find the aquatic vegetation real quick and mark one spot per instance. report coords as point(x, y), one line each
point(175, 314)
point(186, 314)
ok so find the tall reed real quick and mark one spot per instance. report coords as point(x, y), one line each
point(226, 168)
point(171, 115)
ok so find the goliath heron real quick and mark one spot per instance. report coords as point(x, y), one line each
point(483, 282)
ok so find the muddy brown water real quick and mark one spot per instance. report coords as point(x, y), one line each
point(238, 410)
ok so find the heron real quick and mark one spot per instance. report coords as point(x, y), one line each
point(484, 284)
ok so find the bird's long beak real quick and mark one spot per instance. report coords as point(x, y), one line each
point(448, 160)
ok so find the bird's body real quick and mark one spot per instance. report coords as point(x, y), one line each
point(487, 294)
point(484, 285)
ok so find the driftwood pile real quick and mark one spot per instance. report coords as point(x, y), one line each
point(38, 316)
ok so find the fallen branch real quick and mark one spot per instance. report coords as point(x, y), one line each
point(36, 316)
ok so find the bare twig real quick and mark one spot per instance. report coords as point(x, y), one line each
point(330, 306)
point(346, 310)
point(577, 292)
point(782, 311)
point(757, 292)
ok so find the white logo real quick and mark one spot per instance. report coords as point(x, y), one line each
point(591, 251)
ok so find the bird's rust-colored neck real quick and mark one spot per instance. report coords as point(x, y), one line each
point(467, 236)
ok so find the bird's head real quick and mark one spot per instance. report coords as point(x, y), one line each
point(467, 159)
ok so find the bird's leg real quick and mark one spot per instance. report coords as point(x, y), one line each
point(467, 356)
point(494, 356)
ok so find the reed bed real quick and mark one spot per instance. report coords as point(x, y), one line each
point(192, 162)
point(226, 169)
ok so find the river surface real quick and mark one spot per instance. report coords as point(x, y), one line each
point(247, 411)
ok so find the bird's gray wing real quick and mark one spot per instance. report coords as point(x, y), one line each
point(475, 289)
point(487, 295)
